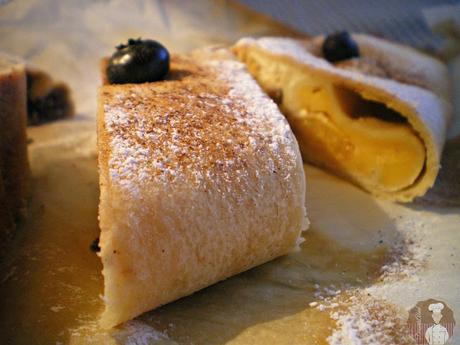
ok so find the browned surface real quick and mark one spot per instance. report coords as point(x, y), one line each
point(187, 105)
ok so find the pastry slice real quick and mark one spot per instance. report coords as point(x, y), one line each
point(14, 167)
point(378, 120)
point(201, 178)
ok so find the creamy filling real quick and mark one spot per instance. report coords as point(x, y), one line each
point(338, 129)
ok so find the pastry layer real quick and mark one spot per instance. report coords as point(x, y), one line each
point(361, 120)
point(14, 169)
point(201, 178)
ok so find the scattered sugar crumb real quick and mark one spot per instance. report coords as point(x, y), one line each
point(130, 333)
point(408, 254)
point(137, 333)
point(364, 320)
point(57, 308)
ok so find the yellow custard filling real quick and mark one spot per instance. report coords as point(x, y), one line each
point(341, 130)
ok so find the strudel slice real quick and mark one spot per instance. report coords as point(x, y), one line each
point(201, 178)
point(378, 120)
point(14, 168)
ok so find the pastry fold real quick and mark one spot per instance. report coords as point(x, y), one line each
point(379, 121)
point(201, 178)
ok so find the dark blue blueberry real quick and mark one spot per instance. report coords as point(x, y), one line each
point(340, 46)
point(94, 247)
point(139, 61)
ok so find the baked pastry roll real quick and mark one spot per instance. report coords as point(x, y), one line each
point(378, 120)
point(201, 178)
point(14, 168)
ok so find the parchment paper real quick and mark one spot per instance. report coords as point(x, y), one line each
point(50, 286)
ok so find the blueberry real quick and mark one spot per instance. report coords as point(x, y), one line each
point(139, 61)
point(340, 46)
point(94, 247)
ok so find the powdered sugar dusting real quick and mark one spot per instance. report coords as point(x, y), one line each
point(138, 333)
point(407, 256)
point(264, 112)
point(419, 98)
point(365, 320)
point(203, 124)
point(132, 332)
